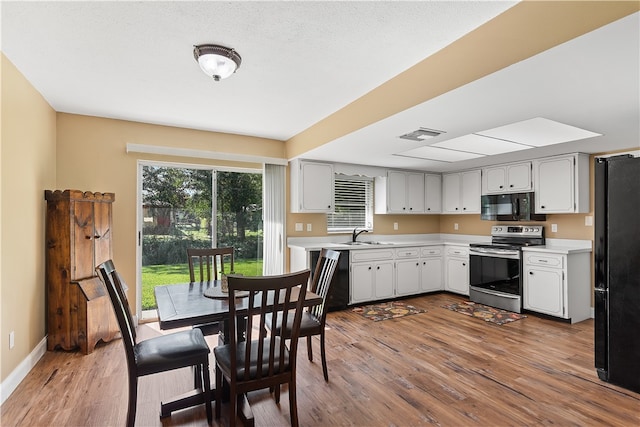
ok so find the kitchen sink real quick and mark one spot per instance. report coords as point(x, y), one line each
point(367, 243)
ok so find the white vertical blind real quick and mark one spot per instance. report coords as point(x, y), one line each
point(274, 216)
point(353, 204)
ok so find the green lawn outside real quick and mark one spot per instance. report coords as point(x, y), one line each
point(154, 275)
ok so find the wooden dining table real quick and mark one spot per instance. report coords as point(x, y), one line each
point(185, 304)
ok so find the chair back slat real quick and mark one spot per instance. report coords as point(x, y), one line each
point(115, 287)
point(209, 262)
point(325, 271)
point(266, 355)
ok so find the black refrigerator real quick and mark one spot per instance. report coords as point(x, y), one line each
point(617, 270)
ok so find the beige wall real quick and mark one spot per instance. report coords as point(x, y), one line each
point(28, 167)
point(91, 156)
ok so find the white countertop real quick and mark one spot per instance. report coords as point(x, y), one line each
point(340, 242)
point(383, 241)
point(562, 246)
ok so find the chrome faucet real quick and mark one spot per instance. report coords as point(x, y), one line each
point(355, 234)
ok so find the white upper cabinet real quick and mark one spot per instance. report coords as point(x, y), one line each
point(311, 187)
point(513, 178)
point(433, 194)
point(399, 192)
point(561, 184)
point(461, 192)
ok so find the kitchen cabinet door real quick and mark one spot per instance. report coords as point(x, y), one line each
point(383, 280)
point(399, 192)
point(311, 187)
point(451, 193)
point(561, 184)
point(461, 192)
point(396, 192)
point(510, 178)
point(361, 282)
point(495, 180)
point(408, 277)
point(431, 274)
point(555, 185)
point(519, 177)
point(415, 192)
point(471, 191)
point(543, 290)
point(433, 194)
point(457, 276)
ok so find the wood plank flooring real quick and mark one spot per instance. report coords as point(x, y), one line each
point(436, 368)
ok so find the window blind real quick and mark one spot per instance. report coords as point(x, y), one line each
point(353, 204)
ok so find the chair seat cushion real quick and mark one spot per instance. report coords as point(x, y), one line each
point(223, 358)
point(310, 325)
point(166, 352)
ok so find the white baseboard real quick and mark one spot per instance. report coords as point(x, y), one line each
point(14, 379)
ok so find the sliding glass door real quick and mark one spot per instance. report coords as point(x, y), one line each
point(185, 206)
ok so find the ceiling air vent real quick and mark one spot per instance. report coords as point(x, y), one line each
point(421, 134)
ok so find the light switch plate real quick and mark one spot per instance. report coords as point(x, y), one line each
point(588, 221)
point(554, 228)
point(298, 226)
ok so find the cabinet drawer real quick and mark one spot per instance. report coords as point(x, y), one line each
point(431, 251)
point(371, 255)
point(458, 251)
point(407, 253)
point(547, 260)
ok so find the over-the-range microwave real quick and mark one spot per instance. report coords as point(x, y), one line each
point(510, 207)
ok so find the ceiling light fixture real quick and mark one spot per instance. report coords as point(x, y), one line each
point(216, 61)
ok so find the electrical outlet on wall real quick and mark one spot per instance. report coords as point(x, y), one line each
point(298, 226)
point(455, 226)
point(554, 228)
point(395, 225)
point(309, 227)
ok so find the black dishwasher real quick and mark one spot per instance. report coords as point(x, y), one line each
point(339, 297)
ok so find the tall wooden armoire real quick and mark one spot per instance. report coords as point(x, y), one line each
point(78, 238)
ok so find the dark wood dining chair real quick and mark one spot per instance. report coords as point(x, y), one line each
point(262, 360)
point(159, 354)
point(314, 319)
point(204, 266)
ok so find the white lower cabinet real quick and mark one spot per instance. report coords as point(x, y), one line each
point(372, 275)
point(457, 269)
point(407, 271)
point(557, 284)
point(544, 290)
point(387, 273)
point(431, 269)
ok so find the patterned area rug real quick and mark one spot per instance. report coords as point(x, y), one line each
point(484, 312)
point(385, 311)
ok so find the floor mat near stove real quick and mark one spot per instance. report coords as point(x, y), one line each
point(484, 312)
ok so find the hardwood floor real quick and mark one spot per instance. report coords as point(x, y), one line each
point(439, 368)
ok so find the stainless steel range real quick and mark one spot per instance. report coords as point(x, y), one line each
point(495, 269)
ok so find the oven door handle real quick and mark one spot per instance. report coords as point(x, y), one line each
point(491, 292)
point(494, 254)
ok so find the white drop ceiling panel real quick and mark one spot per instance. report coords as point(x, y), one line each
point(479, 144)
point(538, 132)
point(440, 154)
